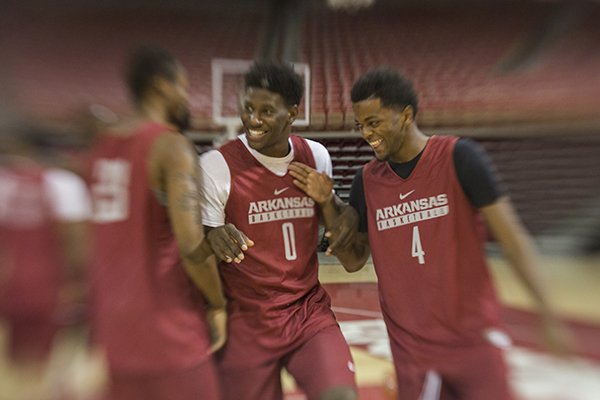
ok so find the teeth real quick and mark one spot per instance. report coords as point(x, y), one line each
point(375, 143)
point(255, 133)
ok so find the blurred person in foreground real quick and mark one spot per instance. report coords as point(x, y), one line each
point(279, 314)
point(158, 310)
point(418, 204)
point(43, 215)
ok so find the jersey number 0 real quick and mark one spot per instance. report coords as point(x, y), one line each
point(289, 241)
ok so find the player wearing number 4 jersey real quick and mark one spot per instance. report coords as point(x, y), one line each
point(279, 315)
point(418, 205)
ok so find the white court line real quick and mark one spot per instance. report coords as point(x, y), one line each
point(355, 311)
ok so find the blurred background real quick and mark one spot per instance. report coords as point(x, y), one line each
point(521, 77)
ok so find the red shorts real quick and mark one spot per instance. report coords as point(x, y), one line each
point(467, 373)
point(198, 383)
point(321, 363)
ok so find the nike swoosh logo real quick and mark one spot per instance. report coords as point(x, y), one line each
point(279, 191)
point(403, 196)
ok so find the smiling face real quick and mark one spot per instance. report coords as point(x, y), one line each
point(382, 127)
point(267, 121)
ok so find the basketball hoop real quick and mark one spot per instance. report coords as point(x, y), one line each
point(227, 84)
point(232, 129)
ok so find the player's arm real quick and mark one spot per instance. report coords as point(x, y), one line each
point(478, 179)
point(341, 220)
point(178, 177)
point(353, 256)
point(517, 246)
point(523, 257)
point(226, 241)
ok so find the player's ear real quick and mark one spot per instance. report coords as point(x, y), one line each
point(292, 113)
point(160, 85)
point(408, 113)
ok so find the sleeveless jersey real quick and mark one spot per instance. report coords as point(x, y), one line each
point(31, 265)
point(434, 285)
point(275, 289)
point(147, 314)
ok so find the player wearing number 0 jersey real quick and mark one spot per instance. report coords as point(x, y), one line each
point(279, 315)
point(280, 273)
point(276, 303)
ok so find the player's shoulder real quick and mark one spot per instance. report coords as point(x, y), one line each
point(171, 146)
point(212, 162)
point(318, 150)
point(466, 143)
point(61, 176)
point(209, 156)
point(316, 147)
point(467, 148)
point(68, 194)
point(320, 155)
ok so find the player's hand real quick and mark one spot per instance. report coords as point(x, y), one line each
point(317, 185)
point(228, 243)
point(217, 322)
point(342, 232)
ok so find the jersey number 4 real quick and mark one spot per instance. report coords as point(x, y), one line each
point(110, 191)
point(417, 249)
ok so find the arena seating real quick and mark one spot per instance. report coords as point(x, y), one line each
point(83, 60)
point(453, 56)
point(549, 179)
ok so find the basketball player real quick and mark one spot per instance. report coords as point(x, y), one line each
point(43, 212)
point(279, 315)
point(148, 242)
point(418, 204)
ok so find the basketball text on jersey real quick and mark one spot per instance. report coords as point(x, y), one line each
point(412, 211)
point(280, 208)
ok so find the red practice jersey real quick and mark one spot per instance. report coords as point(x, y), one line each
point(30, 252)
point(31, 261)
point(434, 285)
point(147, 313)
point(275, 289)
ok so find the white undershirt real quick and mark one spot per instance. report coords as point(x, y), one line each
point(216, 178)
point(68, 195)
point(65, 193)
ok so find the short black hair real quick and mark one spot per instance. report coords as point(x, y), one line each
point(278, 78)
point(391, 87)
point(147, 63)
